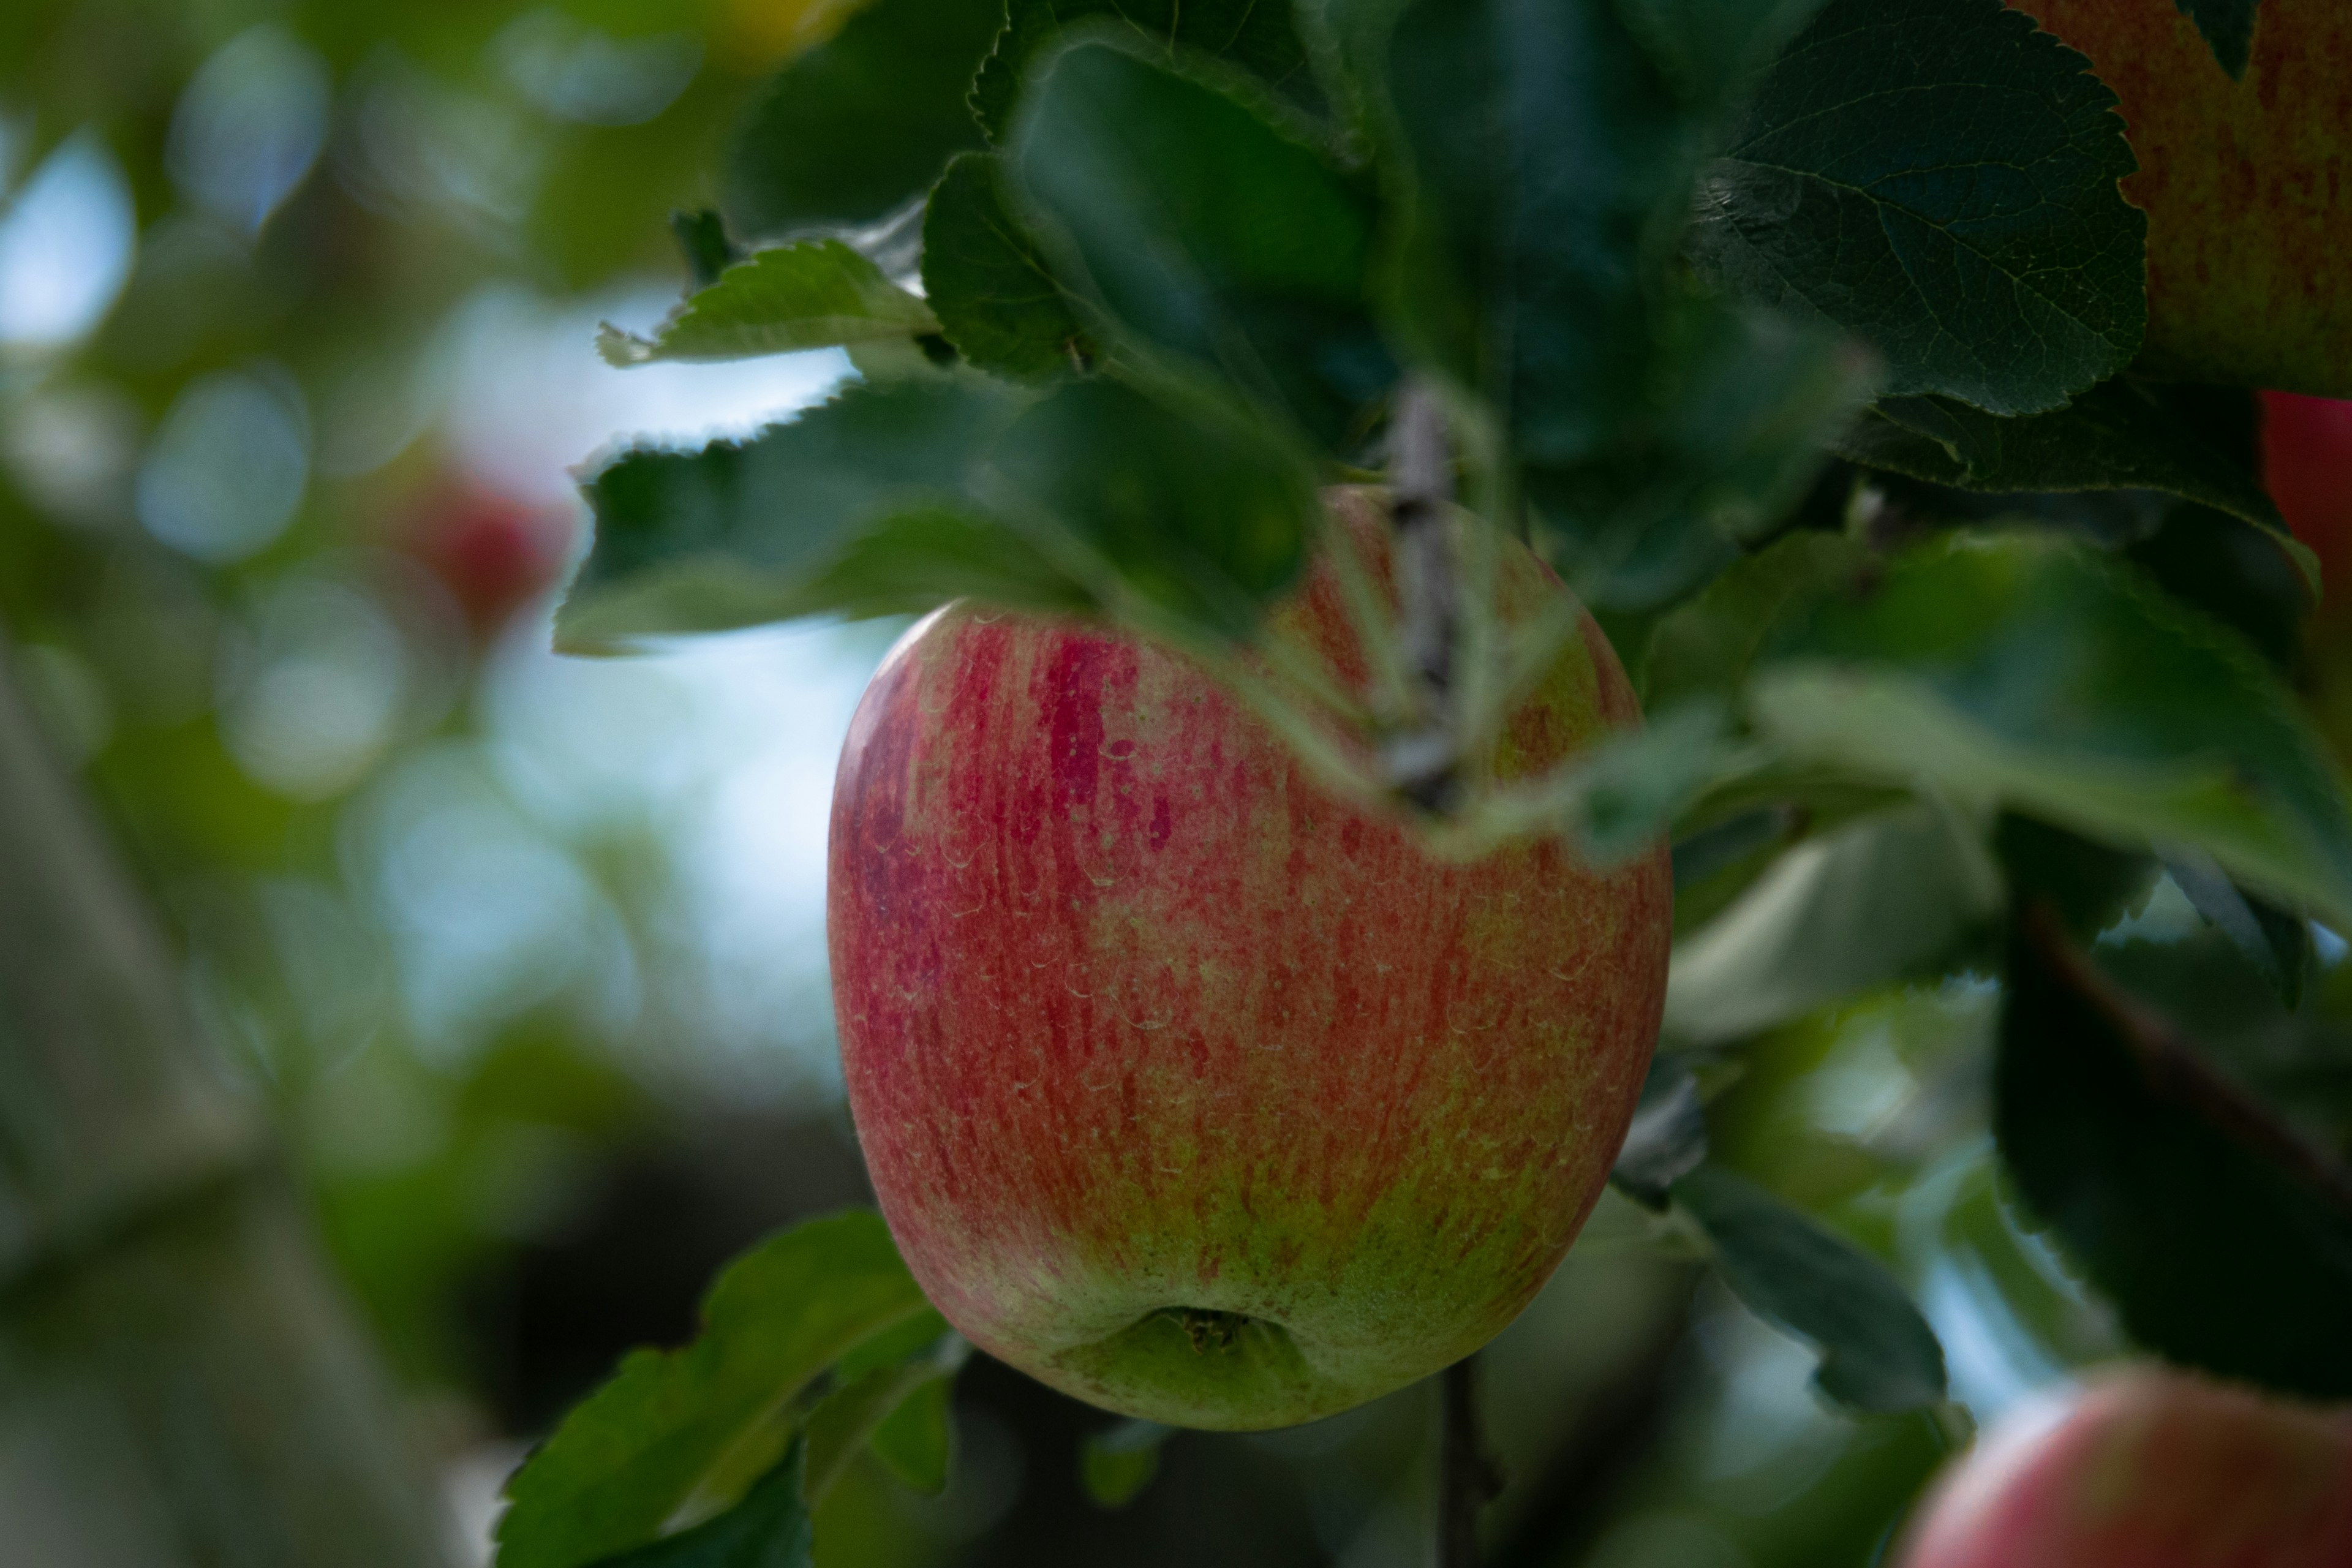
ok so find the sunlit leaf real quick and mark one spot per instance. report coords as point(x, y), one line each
point(815, 294)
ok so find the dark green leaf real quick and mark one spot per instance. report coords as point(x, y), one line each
point(1877, 1352)
point(996, 295)
point(1259, 37)
point(916, 1441)
point(855, 1414)
point(2089, 886)
point(2276, 941)
point(1667, 1139)
point(1705, 647)
point(865, 505)
point(1200, 511)
point(695, 1426)
point(1939, 177)
point(1205, 229)
point(769, 1529)
point(2228, 26)
point(816, 294)
point(2236, 575)
point(2223, 1241)
point(1881, 899)
point(702, 237)
point(2114, 436)
point(1709, 50)
point(861, 125)
point(1119, 1461)
point(2026, 668)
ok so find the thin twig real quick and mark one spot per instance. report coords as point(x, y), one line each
point(1467, 1476)
point(1421, 476)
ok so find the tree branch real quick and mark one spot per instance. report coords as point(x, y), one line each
point(1467, 1476)
point(1421, 760)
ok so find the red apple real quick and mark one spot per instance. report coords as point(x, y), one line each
point(2308, 466)
point(2148, 1467)
point(1185, 1087)
point(2247, 184)
point(491, 552)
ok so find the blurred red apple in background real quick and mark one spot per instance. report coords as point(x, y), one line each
point(2307, 466)
point(2147, 1469)
point(492, 552)
point(1185, 1087)
point(2247, 184)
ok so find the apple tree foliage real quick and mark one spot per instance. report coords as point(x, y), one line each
point(1798, 335)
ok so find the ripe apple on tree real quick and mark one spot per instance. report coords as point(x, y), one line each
point(1185, 1087)
point(2148, 1467)
point(2245, 181)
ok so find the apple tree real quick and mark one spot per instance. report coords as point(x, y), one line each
point(1878, 380)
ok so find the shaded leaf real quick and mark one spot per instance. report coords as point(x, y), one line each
point(816, 294)
point(2114, 436)
point(2224, 1241)
point(702, 239)
point(1118, 1462)
point(854, 1415)
point(1939, 177)
point(916, 1440)
point(1886, 897)
point(769, 1529)
point(2276, 941)
point(867, 504)
point(1706, 647)
point(694, 1426)
point(993, 289)
point(1205, 229)
point(1667, 1138)
point(1877, 1352)
point(2026, 668)
point(861, 125)
point(2228, 26)
point(1709, 50)
point(2236, 575)
point(1260, 36)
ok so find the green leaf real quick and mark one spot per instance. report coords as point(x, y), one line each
point(2238, 575)
point(2024, 668)
point(1200, 511)
point(867, 504)
point(1259, 37)
point(861, 125)
point(916, 1441)
point(1117, 1462)
point(1667, 1138)
point(2228, 26)
point(1706, 647)
point(2224, 1241)
point(684, 1430)
point(769, 1529)
point(817, 294)
point(702, 239)
point(2114, 436)
point(1939, 177)
point(2276, 941)
point(855, 1414)
point(1709, 50)
point(995, 293)
point(1885, 898)
point(1205, 229)
point(1877, 1352)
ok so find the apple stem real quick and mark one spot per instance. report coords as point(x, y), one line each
point(1421, 479)
point(1468, 1478)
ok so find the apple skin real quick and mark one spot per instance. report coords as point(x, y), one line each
point(2307, 468)
point(1185, 1087)
point(2247, 186)
point(2148, 1467)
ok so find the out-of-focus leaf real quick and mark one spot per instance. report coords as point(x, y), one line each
point(2228, 26)
point(1199, 510)
point(1619, 798)
point(2026, 668)
point(1708, 50)
point(861, 125)
point(1667, 1139)
point(1118, 1462)
point(695, 1426)
point(2276, 941)
point(702, 239)
point(2089, 886)
point(1205, 229)
point(816, 294)
point(1259, 37)
point(993, 289)
point(1705, 647)
point(854, 1415)
point(2236, 575)
point(1877, 1352)
point(2114, 436)
point(1880, 898)
point(916, 1441)
point(769, 1529)
point(866, 505)
point(2224, 1241)
point(1939, 177)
